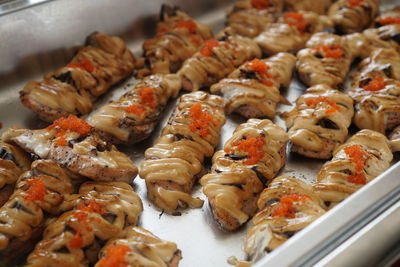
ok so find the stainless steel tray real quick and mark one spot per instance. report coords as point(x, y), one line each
point(39, 39)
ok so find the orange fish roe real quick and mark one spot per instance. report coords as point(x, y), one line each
point(285, 206)
point(36, 190)
point(261, 68)
point(334, 107)
point(84, 64)
point(355, 3)
point(188, 24)
point(260, 4)
point(93, 206)
point(77, 240)
point(195, 41)
point(295, 19)
point(208, 47)
point(253, 148)
point(388, 20)
point(331, 51)
point(71, 124)
point(378, 83)
point(200, 120)
point(114, 256)
point(147, 99)
point(357, 157)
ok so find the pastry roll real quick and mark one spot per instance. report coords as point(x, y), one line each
point(13, 162)
point(251, 17)
point(362, 158)
point(287, 206)
point(388, 17)
point(319, 7)
point(376, 91)
point(291, 32)
point(38, 192)
point(73, 143)
point(351, 16)
point(100, 211)
point(215, 60)
point(133, 117)
point(252, 90)
point(250, 159)
point(72, 89)
point(394, 138)
point(325, 60)
point(178, 37)
point(175, 161)
point(318, 124)
point(139, 247)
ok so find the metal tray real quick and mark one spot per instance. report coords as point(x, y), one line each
point(41, 38)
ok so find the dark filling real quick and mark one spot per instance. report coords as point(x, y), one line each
point(65, 77)
point(234, 157)
point(289, 234)
point(260, 176)
point(395, 37)
point(167, 11)
point(6, 155)
point(109, 217)
point(271, 202)
point(248, 74)
point(327, 123)
point(387, 69)
point(19, 206)
point(62, 250)
point(33, 156)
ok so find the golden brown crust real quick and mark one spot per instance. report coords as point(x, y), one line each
point(336, 181)
point(350, 18)
point(179, 37)
point(319, 7)
point(234, 184)
point(252, 94)
point(143, 249)
point(319, 122)
point(118, 124)
point(83, 154)
point(202, 70)
point(377, 108)
point(23, 216)
point(174, 162)
point(100, 211)
point(73, 89)
point(315, 66)
point(273, 224)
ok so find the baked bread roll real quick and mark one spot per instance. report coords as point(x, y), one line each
point(215, 60)
point(351, 16)
point(319, 122)
point(175, 161)
point(287, 206)
point(291, 32)
point(252, 90)
point(325, 60)
point(133, 117)
point(38, 193)
point(250, 159)
point(100, 211)
point(358, 161)
point(251, 17)
point(73, 143)
point(178, 37)
point(72, 89)
point(376, 91)
point(13, 162)
point(319, 7)
point(139, 247)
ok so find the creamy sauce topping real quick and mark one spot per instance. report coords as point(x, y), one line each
point(232, 167)
point(172, 164)
point(314, 122)
point(260, 92)
point(201, 71)
point(334, 181)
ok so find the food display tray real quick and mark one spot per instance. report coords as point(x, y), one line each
point(38, 39)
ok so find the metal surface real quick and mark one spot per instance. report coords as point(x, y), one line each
point(39, 39)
